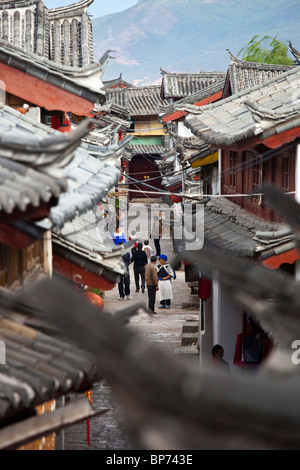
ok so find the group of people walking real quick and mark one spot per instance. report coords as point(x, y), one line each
point(156, 277)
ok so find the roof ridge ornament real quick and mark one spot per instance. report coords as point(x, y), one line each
point(232, 56)
point(295, 52)
point(264, 113)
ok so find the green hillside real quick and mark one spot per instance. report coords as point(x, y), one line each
point(184, 35)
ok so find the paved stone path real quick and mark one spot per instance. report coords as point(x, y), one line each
point(164, 330)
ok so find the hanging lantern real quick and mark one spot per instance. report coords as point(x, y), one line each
point(175, 198)
point(95, 299)
point(204, 288)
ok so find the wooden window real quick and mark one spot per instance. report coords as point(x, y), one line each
point(232, 169)
point(257, 178)
point(15, 264)
point(3, 266)
point(285, 173)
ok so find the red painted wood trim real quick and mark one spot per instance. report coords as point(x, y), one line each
point(174, 116)
point(43, 94)
point(277, 140)
point(32, 213)
point(80, 275)
point(289, 257)
point(179, 114)
point(14, 237)
point(210, 99)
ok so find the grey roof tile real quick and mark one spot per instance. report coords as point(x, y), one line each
point(141, 101)
point(200, 95)
point(180, 85)
point(253, 113)
point(244, 75)
point(230, 229)
point(38, 367)
point(84, 180)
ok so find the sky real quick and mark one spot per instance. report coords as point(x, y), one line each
point(98, 8)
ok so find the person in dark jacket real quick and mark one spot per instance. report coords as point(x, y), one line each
point(139, 260)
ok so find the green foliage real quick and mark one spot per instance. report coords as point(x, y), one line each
point(97, 291)
point(266, 50)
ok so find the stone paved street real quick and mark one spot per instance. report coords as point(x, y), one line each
point(164, 330)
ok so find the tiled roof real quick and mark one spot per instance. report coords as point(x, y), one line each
point(243, 74)
point(180, 85)
point(231, 230)
point(266, 109)
point(70, 79)
point(200, 95)
point(141, 101)
point(38, 162)
point(145, 149)
point(116, 82)
point(85, 238)
point(28, 156)
point(38, 365)
point(89, 181)
point(63, 35)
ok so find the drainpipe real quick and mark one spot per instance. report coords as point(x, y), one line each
point(216, 299)
point(216, 309)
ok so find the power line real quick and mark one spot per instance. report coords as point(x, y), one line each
point(188, 196)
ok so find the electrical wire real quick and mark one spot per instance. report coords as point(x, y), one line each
point(188, 196)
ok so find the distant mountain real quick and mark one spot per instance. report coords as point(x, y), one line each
point(186, 35)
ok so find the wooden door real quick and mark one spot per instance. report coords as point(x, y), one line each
point(143, 169)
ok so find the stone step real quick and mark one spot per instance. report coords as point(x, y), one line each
point(190, 305)
point(187, 354)
point(189, 339)
point(190, 327)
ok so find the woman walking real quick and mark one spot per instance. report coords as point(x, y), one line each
point(165, 275)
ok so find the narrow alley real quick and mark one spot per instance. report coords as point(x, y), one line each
point(164, 330)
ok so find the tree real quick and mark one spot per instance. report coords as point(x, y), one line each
point(266, 50)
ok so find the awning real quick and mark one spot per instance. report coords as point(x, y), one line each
point(206, 160)
point(69, 269)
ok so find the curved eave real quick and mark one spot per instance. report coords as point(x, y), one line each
point(73, 8)
point(53, 94)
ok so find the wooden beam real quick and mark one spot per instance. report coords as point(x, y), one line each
point(43, 94)
point(277, 140)
point(179, 114)
point(33, 428)
point(31, 213)
point(210, 99)
point(14, 237)
point(275, 261)
point(80, 275)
